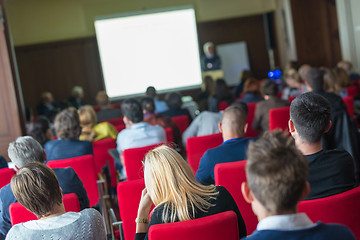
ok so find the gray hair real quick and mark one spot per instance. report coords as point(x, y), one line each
point(25, 150)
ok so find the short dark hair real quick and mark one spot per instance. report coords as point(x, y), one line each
point(315, 79)
point(173, 100)
point(147, 104)
point(67, 124)
point(270, 88)
point(37, 188)
point(276, 172)
point(310, 114)
point(242, 106)
point(132, 109)
point(151, 92)
point(39, 130)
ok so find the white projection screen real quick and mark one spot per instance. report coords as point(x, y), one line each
point(157, 49)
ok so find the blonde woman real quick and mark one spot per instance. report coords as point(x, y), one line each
point(294, 85)
point(172, 188)
point(90, 131)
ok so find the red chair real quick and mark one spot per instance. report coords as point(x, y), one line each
point(19, 214)
point(349, 102)
point(291, 98)
point(96, 108)
point(129, 194)
point(85, 169)
point(223, 105)
point(279, 118)
point(169, 135)
point(231, 176)
point(197, 146)
point(219, 226)
point(132, 161)
point(352, 91)
point(249, 120)
point(102, 157)
point(120, 127)
point(182, 122)
point(115, 121)
point(6, 175)
point(343, 208)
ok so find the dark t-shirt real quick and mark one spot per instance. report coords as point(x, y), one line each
point(224, 202)
point(330, 172)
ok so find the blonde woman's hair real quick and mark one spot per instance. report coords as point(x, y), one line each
point(87, 116)
point(170, 181)
point(293, 74)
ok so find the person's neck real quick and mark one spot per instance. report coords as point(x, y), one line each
point(307, 149)
point(229, 136)
point(264, 214)
point(57, 211)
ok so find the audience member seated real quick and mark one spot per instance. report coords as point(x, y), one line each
point(303, 70)
point(137, 133)
point(153, 118)
point(77, 95)
point(330, 84)
point(276, 181)
point(244, 75)
point(330, 171)
point(294, 84)
point(251, 91)
point(261, 117)
point(347, 66)
point(342, 80)
point(36, 187)
point(172, 188)
point(68, 145)
point(221, 94)
point(160, 106)
point(206, 93)
point(90, 129)
point(27, 150)
point(47, 107)
point(106, 112)
point(233, 127)
point(205, 123)
point(41, 131)
point(174, 102)
point(29, 120)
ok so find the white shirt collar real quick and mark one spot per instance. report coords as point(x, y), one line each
point(288, 222)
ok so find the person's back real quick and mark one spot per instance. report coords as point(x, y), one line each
point(108, 113)
point(62, 149)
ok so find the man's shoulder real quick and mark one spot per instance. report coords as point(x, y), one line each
point(6, 192)
point(64, 172)
point(336, 154)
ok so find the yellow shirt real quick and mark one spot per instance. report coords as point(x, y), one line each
point(100, 131)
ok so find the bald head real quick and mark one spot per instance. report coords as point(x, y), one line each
point(233, 122)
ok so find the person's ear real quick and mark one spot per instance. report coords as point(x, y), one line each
point(246, 192)
point(220, 127)
point(246, 127)
point(291, 126)
point(328, 127)
point(306, 191)
point(45, 156)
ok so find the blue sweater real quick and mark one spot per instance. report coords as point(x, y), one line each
point(320, 231)
point(62, 149)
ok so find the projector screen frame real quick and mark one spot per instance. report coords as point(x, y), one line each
point(137, 13)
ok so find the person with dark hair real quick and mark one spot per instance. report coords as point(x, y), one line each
point(68, 130)
point(48, 107)
point(106, 112)
point(41, 131)
point(174, 102)
point(37, 188)
point(233, 127)
point(276, 175)
point(160, 106)
point(251, 92)
point(27, 150)
point(244, 75)
point(137, 133)
point(330, 171)
point(222, 95)
point(261, 118)
point(206, 92)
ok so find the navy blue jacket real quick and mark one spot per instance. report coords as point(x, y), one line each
point(230, 151)
point(62, 149)
point(69, 182)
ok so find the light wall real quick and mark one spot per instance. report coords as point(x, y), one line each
point(38, 21)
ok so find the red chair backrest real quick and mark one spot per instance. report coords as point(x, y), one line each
point(169, 135)
point(349, 102)
point(249, 120)
point(101, 157)
point(182, 122)
point(291, 98)
point(223, 105)
point(352, 91)
point(19, 214)
point(96, 108)
point(119, 127)
point(6, 175)
point(279, 118)
point(231, 176)
point(129, 195)
point(343, 208)
point(115, 121)
point(219, 226)
point(197, 146)
point(85, 169)
point(132, 161)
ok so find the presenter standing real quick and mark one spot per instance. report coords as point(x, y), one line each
point(210, 61)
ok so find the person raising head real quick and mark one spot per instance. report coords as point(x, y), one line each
point(171, 186)
point(276, 181)
point(36, 187)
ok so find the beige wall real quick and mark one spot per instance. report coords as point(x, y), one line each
point(37, 21)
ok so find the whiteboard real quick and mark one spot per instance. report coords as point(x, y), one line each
point(234, 60)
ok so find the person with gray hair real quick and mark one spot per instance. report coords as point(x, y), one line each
point(26, 150)
point(211, 61)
